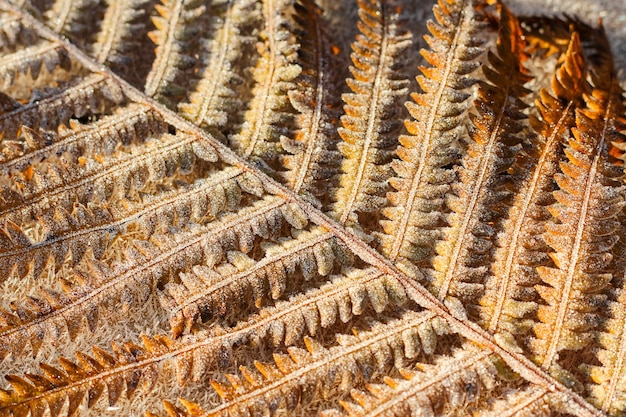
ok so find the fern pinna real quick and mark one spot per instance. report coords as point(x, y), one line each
point(239, 207)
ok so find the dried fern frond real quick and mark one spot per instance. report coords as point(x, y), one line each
point(605, 375)
point(312, 153)
point(480, 256)
point(421, 391)
point(588, 202)
point(131, 367)
point(302, 375)
point(423, 171)
point(215, 99)
point(510, 295)
point(118, 44)
point(269, 115)
point(370, 122)
point(479, 199)
point(91, 94)
point(178, 27)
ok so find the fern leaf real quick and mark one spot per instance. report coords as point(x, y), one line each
point(423, 176)
point(583, 235)
point(301, 375)
point(136, 367)
point(118, 44)
point(129, 124)
point(92, 93)
point(314, 146)
point(285, 322)
point(36, 192)
point(421, 390)
point(178, 24)
point(131, 367)
point(194, 353)
point(370, 124)
point(606, 371)
point(207, 291)
point(269, 115)
point(148, 263)
point(343, 297)
point(463, 258)
point(602, 70)
point(510, 295)
point(191, 409)
point(215, 100)
point(204, 226)
point(94, 226)
point(551, 36)
point(20, 254)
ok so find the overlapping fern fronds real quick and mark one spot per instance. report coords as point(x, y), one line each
point(227, 207)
